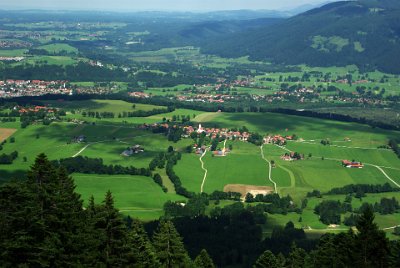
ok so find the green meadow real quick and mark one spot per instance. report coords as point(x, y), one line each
point(115, 106)
point(136, 196)
point(242, 166)
point(57, 48)
point(141, 197)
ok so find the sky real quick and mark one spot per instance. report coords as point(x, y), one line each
point(159, 5)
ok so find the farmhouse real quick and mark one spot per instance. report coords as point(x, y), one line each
point(292, 156)
point(79, 139)
point(352, 164)
point(133, 150)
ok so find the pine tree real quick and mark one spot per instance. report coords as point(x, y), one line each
point(372, 246)
point(203, 260)
point(169, 247)
point(42, 182)
point(70, 221)
point(111, 231)
point(18, 224)
point(141, 251)
point(296, 258)
point(267, 260)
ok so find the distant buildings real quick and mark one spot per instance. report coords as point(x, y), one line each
point(133, 150)
point(352, 164)
point(17, 88)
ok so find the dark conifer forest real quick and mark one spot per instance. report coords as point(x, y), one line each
point(45, 224)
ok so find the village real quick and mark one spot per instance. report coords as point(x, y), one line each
point(17, 88)
point(223, 91)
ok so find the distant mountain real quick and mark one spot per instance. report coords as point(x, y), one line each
point(365, 32)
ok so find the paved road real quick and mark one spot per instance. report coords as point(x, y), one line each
point(205, 171)
point(269, 169)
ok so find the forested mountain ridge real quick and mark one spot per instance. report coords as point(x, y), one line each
point(366, 33)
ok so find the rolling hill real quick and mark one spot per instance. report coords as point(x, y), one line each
point(365, 32)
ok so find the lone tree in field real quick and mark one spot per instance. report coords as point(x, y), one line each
point(169, 246)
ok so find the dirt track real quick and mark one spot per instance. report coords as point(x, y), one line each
point(244, 189)
point(6, 132)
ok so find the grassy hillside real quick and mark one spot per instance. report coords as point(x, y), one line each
point(136, 196)
point(365, 33)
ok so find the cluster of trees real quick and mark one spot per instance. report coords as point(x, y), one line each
point(44, 224)
point(276, 204)
point(143, 113)
point(367, 248)
point(30, 117)
point(256, 139)
point(174, 133)
point(363, 188)
point(158, 180)
point(329, 211)
point(172, 159)
point(8, 119)
point(98, 114)
point(194, 207)
point(325, 142)
point(8, 159)
point(384, 207)
point(84, 164)
point(395, 147)
point(219, 195)
point(140, 113)
point(158, 162)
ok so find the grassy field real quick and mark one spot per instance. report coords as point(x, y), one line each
point(136, 196)
point(115, 106)
point(111, 150)
point(304, 127)
point(55, 142)
point(242, 166)
point(57, 48)
point(12, 52)
point(51, 60)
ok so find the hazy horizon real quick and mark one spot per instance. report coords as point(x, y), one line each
point(158, 5)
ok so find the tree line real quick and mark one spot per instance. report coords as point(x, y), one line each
point(86, 165)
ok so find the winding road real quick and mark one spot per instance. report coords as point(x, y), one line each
point(269, 170)
point(205, 170)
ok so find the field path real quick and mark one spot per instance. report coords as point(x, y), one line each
point(389, 228)
point(367, 164)
point(87, 145)
point(269, 169)
point(205, 170)
point(384, 173)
